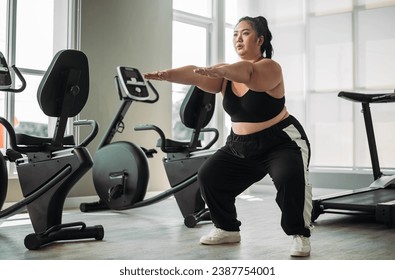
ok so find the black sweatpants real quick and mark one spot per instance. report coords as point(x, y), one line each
point(283, 152)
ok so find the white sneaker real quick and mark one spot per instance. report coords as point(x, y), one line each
point(220, 236)
point(301, 246)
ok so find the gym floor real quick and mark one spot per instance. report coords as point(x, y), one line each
point(157, 232)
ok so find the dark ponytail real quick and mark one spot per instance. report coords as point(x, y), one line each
point(259, 24)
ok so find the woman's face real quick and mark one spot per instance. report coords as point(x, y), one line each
point(245, 41)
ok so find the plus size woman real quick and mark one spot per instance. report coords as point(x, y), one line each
point(264, 138)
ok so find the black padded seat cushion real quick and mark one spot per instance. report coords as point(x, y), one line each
point(29, 140)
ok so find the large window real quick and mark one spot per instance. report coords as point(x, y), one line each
point(202, 35)
point(350, 48)
point(29, 40)
point(192, 36)
point(324, 47)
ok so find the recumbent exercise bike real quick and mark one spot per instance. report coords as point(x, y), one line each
point(121, 172)
point(49, 167)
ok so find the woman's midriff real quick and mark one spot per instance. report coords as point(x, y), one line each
point(244, 128)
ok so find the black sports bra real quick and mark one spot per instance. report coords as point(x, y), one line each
point(251, 107)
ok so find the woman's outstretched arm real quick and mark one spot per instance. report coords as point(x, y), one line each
point(186, 75)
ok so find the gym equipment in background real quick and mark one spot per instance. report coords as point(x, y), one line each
point(377, 200)
point(49, 167)
point(121, 171)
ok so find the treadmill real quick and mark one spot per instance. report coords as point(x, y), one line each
point(378, 199)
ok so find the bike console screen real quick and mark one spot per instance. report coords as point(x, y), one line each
point(133, 83)
point(5, 77)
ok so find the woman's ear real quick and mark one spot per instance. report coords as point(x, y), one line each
point(260, 40)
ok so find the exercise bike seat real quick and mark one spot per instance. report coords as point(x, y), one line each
point(68, 72)
point(35, 141)
point(196, 112)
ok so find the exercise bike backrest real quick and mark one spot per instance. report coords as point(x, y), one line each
point(196, 111)
point(66, 81)
point(62, 93)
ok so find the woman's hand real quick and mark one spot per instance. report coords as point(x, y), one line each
point(157, 75)
point(211, 72)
